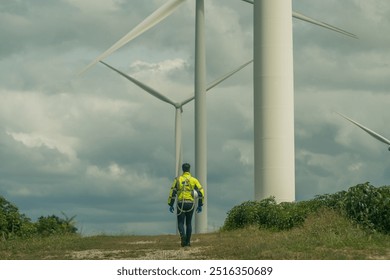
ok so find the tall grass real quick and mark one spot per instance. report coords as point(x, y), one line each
point(353, 224)
point(324, 235)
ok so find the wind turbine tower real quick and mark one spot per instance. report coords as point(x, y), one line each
point(273, 100)
point(273, 97)
point(200, 112)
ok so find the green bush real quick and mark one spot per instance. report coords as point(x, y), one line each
point(241, 216)
point(13, 223)
point(364, 204)
point(265, 214)
point(333, 201)
point(369, 206)
point(53, 225)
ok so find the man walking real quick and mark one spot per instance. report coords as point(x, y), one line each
point(186, 188)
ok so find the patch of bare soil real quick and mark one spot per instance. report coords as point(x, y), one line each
point(186, 253)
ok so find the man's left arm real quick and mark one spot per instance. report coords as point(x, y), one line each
point(199, 189)
point(172, 193)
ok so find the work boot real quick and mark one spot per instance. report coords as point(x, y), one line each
point(183, 240)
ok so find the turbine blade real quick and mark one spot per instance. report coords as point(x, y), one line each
point(220, 80)
point(146, 24)
point(316, 22)
point(145, 87)
point(223, 78)
point(323, 24)
point(369, 131)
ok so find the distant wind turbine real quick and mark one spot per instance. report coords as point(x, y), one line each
point(369, 131)
point(178, 105)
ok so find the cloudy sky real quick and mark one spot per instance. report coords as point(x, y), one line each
point(98, 147)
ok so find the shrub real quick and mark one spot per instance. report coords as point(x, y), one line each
point(369, 206)
point(265, 214)
point(13, 223)
point(241, 216)
point(332, 201)
point(364, 204)
point(53, 225)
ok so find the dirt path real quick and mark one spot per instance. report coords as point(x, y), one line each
point(186, 253)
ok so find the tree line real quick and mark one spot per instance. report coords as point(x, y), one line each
point(14, 224)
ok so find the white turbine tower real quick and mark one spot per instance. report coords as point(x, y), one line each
point(273, 101)
point(377, 136)
point(177, 105)
point(273, 98)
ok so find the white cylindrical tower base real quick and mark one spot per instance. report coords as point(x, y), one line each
point(273, 100)
point(200, 112)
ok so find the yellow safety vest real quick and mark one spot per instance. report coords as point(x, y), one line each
point(184, 186)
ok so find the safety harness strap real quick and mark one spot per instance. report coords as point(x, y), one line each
point(179, 190)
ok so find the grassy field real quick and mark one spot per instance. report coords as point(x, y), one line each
point(324, 236)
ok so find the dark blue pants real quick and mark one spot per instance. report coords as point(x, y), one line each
point(185, 212)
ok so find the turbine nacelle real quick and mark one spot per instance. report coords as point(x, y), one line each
point(179, 106)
